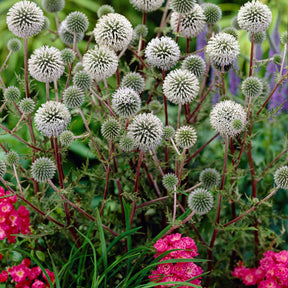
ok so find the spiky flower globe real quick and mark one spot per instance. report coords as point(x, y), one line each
point(146, 130)
point(169, 132)
point(162, 53)
point(52, 6)
point(186, 136)
point(194, 64)
point(191, 24)
point(223, 114)
point(232, 31)
point(200, 201)
point(155, 106)
point(114, 31)
point(68, 37)
point(12, 158)
point(234, 23)
point(25, 19)
point(43, 169)
point(110, 129)
point(252, 87)
point(104, 9)
point(68, 56)
point(209, 177)
point(254, 17)
point(82, 80)
point(46, 64)
point(133, 80)
point(66, 137)
point(73, 97)
point(222, 49)
point(14, 45)
point(77, 22)
point(266, 88)
point(146, 5)
point(216, 28)
point(2, 169)
point(182, 6)
point(212, 12)
point(181, 86)
point(281, 177)
point(78, 67)
point(140, 31)
point(126, 143)
point(277, 59)
point(259, 37)
point(284, 38)
point(46, 24)
point(100, 63)
point(11, 94)
point(126, 102)
point(169, 181)
point(27, 105)
point(52, 118)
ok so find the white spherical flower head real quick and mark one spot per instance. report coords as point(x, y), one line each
point(182, 6)
point(181, 86)
point(162, 53)
point(191, 24)
point(146, 130)
point(222, 49)
point(46, 64)
point(147, 5)
point(100, 62)
point(25, 19)
point(225, 115)
point(52, 118)
point(254, 17)
point(114, 31)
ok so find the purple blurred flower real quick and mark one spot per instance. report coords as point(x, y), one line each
point(201, 42)
point(234, 79)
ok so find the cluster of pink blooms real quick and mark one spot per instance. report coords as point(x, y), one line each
point(272, 272)
point(12, 221)
point(181, 271)
point(25, 277)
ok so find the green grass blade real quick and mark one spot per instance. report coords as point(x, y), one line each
point(57, 282)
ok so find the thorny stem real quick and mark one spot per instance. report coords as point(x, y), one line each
point(3, 106)
point(251, 55)
point(56, 21)
point(175, 147)
point(163, 19)
point(182, 165)
point(18, 123)
point(178, 27)
point(194, 187)
point(174, 205)
point(47, 91)
point(152, 202)
point(156, 160)
point(56, 91)
point(284, 59)
point(17, 179)
point(179, 115)
point(5, 62)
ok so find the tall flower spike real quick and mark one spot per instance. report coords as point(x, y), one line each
point(200, 201)
point(191, 24)
point(254, 17)
point(147, 5)
point(114, 31)
point(68, 37)
point(182, 6)
point(46, 64)
point(25, 19)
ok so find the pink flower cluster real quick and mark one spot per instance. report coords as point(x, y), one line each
point(12, 221)
point(25, 277)
point(272, 272)
point(181, 271)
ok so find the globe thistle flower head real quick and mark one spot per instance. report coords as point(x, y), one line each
point(155, 106)
point(216, 28)
point(14, 45)
point(43, 169)
point(25, 19)
point(223, 114)
point(78, 67)
point(82, 80)
point(186, 136)
point(77, 22)
point(66, 137)
point(281, 177)
point(126, 102)
point(191, 24)
point(73, 97)
point(114, 31)
point(252, 87)
point(146, 130)
point(133, 80)
point(46, 24)
point(259, 37)
point(182, 6)
point(277, 59)
point(46, 64)
point(195, 64)
point(169, 132)
point(3, 169)
point(52, 118)
point(181, 86)
point(222, 49)
point(254, 17)
point(200, 201)
point(68, 37)
point(110, 129)
point(140, 31)
point(104, 9)
point(126, 143)
point(232, 31)
point(12, 158)
point(52, 6)
point(27, 105)
point(209, 177)
point(234, 23)
point(146, 5)
point(11, 94)
point(162, 53)
point(68, 56)
point(212, 12)
point(170, 181)
point(266, 88)
point(100, 63)
point(284, 38)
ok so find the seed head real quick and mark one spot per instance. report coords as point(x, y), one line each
point(110, 129)
point(66, 138)
point(252, 87)
point(27, 105)
point(200, 201)
point(2, 169)
point(133, 80)
point(68, 56)
point(195, 64)
point(209, 177)
point(146, 5)
point(186, 136)
point(169, 181)
point(281, 177)
point(104, 9)
point(14, 45)
point(73, 97)
point(77, 22)
point(182, 6)
point(140, 31)
point(126, 143)
point(68, 37)
point(78, 67)
point(232, 31)
point(169, 132)
point(284, 38)
point(12, 158)
point(52, 6)
point(43, 169)
point(212, 12)
point(234, 23)
point(259, 37)
point(11, 94)
point(155, 106)
point(82, 80)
